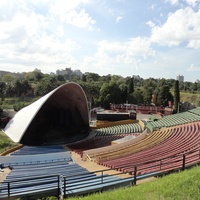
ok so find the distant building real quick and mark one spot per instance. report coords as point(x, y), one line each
point(64, 72)
point(197, 81)
point(52, 74)
point(180, 78)
point(77, 72)
point(137, 77)
point(37, 70)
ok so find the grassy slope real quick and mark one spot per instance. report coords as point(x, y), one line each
point(189, 97)
point(183, 185)
point(5, 142)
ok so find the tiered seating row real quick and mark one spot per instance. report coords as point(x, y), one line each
point(59, 167)
point(119, 129)
point(92, 143)
point(92, 153)
point(38, 158)
point(176, 119)
point(151, 140)
point(37, 178)
point(183, 139)
point(28, 179)
point(195, 111)
point(30, 150)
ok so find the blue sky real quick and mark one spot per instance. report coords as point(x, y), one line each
point(149, 38)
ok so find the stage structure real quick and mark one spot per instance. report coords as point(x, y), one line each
point(59, 117)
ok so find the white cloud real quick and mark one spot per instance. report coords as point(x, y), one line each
point(193, 68)
point(119, 18)
point(69, 12)
point(135, 47)
point(60, 31)
point(192, 3)
point(194, 44)
point(2, 2)
point(153, 6)
point(110, 57)
point(173, 2)
point(150, 24)
point(80, 19)
point(181, 26)
point(30, 39)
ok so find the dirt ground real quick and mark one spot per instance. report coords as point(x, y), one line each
point(92, 167)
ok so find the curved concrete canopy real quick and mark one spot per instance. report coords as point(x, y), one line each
point(59, 117)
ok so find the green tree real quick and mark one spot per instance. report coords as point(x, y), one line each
point(92, 77)
point(124, 92)
point(136, 97)
point(164, 96)
point(195, 87)
point(131, 85)
point(46, 85)
point(148, 90)
point(2, 89)
point(37, 75)
point(105, 79)
point(61, 78)
point(110, 93)
point(84, 78)
point(26, 88)
point(17, 88)
point(92, 91)
point(176, 96)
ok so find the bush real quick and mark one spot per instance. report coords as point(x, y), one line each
point(19, 106)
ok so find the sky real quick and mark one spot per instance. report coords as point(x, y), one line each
point(149, 38)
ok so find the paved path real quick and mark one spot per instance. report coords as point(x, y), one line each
point(92, 167)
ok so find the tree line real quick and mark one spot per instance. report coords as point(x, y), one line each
point(100, 90)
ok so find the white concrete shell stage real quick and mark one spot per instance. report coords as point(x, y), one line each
point(59, 117)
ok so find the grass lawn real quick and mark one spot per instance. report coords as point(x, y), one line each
point(189, 97)
point(179, 186)
point(5, 143)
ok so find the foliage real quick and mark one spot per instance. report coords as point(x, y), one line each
point(163, 94)
point(46, 85)
point(176, 96)
point(148, 90)
point(131, 85)
point(91, 77)
point(136, 97)
point(2, 89)
point(110, 93)
point(18, 106)
point(100, 90)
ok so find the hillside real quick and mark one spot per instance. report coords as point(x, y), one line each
point(2, 73)
point(189, 100)
point(179, 186)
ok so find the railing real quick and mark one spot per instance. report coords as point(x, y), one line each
point(58, 185)
point(15, 188)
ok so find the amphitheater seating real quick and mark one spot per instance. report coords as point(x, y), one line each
point(92, 153)
point(176, 119)
point(92, 143)
point(195, 111)
point(30, 150)
point(39, 174)
point(183, 139)
point(43, 158)
point(42, 169)
point(151, 140)
point(119, 129)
